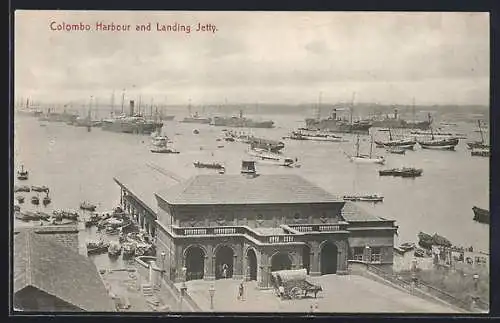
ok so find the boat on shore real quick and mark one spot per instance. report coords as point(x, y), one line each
point(114, 249)
point(22, 188)
point(268, 158)
point(35, 200)
point(20, 199)
point(22, 174)
point(213, 165)
point(367, 159)
point(40, 189)
point(401, 172)
point(97, 247)
point(478, 144)
point(481, 215)
point(364, 198)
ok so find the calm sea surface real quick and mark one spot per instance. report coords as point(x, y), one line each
point(78, 165)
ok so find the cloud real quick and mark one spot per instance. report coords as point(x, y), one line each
point(258, 56)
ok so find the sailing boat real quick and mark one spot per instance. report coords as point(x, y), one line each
point(22, 174)
point(401, 143)
point(478, 144)
point(440, 144)
point(358, 158)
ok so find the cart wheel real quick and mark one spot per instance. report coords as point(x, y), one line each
point(295, 292)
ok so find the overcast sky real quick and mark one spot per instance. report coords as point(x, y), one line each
point(286, 57)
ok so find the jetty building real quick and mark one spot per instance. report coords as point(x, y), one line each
point(244, 226)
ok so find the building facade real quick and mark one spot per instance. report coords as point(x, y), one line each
point(246, 226)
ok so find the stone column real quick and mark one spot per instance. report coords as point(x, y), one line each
point(209, 268)
point(342, 259)
point(265, 272)
point(238, 272)
point(367, 254)
point(315, 269)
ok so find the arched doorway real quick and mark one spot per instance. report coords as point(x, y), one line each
point(306, 258)
point(224, 260)
point(328, 259)
point(252, 264)
point(195, 263)
point(281, 261)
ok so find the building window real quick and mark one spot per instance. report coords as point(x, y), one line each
point(376, 254)
point(357, 253)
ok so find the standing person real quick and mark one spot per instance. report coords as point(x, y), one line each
point(224, 271)
point(240, 292)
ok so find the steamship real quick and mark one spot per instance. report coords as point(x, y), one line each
point(338, 125)
point(131, 123)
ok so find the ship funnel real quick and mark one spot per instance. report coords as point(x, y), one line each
point(395, 113)
point(334, 114)
point(131, 108)
point(248, 168)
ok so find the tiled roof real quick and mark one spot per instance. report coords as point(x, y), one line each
point(241, 189)
point(354, 213)
point(145, 181)
point(59, 271)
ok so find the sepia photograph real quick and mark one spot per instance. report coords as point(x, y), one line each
point(250, 162)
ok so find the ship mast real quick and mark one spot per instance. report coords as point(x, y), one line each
point(480, 131)
point(123, 99)
point(371, 146)
point(413, 110)
point(357, 146)
point(318, 110)
point(151, 109)
point(113, 103)
point(352, 105)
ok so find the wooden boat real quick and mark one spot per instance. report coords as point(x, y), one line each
point(303, 134)
point(396, 150)
point(65, 214)
point(35, 200)
point(480, 152)
point(39, 188)
point(97, 247)
point(128, 250)
point(17, 207)
point(59, 221)
point(478, 144)
point(196, 131)
point(364, 198)
point(481, 215)
point(22, 188)
point(22, 174)
point(164, 150)
point(359, 158)
point(404, 143)
point(42, 216)
point(401, 172)
point(114, 249)
point(269, 158)
point(46, 200)
point(87, 206)
point(439, 144)
point(208, 165)
point(20, 199)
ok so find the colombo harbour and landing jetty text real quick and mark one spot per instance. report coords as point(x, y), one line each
point(114, 27)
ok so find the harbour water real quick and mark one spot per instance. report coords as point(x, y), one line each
point(78, 165)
